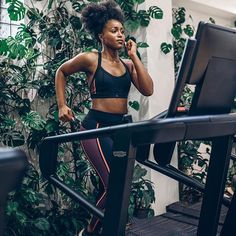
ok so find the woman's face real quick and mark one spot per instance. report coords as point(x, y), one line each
point(113, 35)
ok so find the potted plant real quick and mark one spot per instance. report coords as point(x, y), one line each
point(142, 194)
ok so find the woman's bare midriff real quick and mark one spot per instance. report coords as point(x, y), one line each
point(111, 105)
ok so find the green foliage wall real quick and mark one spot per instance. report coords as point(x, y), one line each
point(52, 35)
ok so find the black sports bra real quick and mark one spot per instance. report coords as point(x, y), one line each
point(106, 85)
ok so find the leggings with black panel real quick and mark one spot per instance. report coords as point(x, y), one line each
point(99, 150)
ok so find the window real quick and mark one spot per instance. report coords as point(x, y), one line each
point(7, 27)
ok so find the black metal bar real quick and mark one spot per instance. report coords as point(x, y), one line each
point(120, 179)
point(13, 164)
point(77, 197)
point(229, 226)
point(215, 186)
point(175, 174)
point(2, 220)
point(138, 134)
point(146, 132)
point(48, 158)
point(81, 135)
point(210, 122)
point(178, 175)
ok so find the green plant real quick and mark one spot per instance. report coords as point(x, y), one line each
point(188, 153)
point(180, 32)
point(142, 193)
point(28, 111)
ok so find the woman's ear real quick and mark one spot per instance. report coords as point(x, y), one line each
point(100, 37)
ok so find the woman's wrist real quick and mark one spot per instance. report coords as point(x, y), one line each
point(61, 105)
point(133, 56)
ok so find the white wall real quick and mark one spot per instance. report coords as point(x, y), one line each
point(228, 6)
point(223, 12)
point(161, 68)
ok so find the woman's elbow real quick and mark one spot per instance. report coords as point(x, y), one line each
point(148, 92)
point(60, 73)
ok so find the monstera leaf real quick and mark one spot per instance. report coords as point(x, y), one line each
point(42, 224)
point(142, 45)
point(33, 120)
point(16, 10)
point(3, 47)
point(75, 22)
point(179, 15)
point(16, 49)
point(176, 31)
point(132, 25)
point(139, 1)
point(77, 6)
point(6, 123)
point(166, 47)
point(188, 30)
point(126, 5)
point(156, 12)
point(13, 138)
point(144, 18)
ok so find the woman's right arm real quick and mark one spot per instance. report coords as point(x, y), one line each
point(82, 62)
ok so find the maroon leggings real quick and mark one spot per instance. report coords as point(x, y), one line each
point(98, 151)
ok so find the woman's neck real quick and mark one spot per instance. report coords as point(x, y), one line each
point(111, 55)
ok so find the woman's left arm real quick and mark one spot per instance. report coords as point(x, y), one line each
point(140, 77)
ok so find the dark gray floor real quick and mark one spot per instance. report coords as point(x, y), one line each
point(179, 220)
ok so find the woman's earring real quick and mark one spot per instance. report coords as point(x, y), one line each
point(100, 43)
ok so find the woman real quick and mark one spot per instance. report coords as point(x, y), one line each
point(109, 80)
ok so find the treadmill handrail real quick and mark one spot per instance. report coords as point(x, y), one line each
point(144, 132)
point(187, 123)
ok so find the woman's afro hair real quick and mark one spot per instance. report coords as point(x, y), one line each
point(96, 15)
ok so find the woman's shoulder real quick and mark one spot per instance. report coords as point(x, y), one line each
point(128, 63)
point(88, 56)
point(86, 60)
